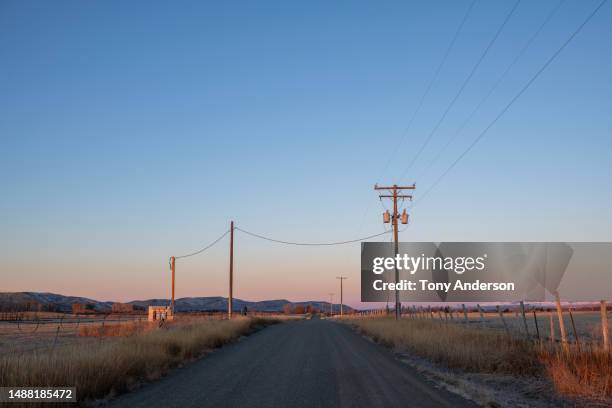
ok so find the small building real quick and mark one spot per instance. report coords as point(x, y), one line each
point(160, 313)
point(122, 308)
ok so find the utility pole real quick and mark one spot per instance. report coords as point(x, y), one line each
point(231, 272)
point(341, 299)
point(394, 189)
point(172, 268)
point(331, 303)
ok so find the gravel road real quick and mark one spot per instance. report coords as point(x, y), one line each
point(309, 363)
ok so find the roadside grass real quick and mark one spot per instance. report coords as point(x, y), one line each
point(453, 345)
point(110, 367)
point(117, 329)
point(584, 372)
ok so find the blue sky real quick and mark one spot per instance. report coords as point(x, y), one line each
point(135, 131)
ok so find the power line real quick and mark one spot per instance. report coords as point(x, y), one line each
point(493, 88)
point(460, 91)
point(310, 243)
point(523, 89)
point(421, 101)
point(205, 248)
point(429, 86)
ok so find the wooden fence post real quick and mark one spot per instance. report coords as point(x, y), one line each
point(561, 323)
point(482, 319)
point(501, 314)
point(535, 320)
point(574, 328)
point(604, 325)
point(56, 335)
point(524, 319)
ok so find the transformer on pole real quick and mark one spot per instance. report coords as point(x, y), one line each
point(394, 189)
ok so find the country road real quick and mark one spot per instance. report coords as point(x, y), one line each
point(311, 363)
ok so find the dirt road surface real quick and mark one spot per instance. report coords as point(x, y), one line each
point(310, 363)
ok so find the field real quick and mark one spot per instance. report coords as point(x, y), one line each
point(587, 323)
point(105, 357)
point(47, 331)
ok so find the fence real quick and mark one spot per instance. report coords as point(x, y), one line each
point(25, 332)
point(556, 325)
point(18, 333)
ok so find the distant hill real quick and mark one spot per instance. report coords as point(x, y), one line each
point(58, 302)
point(190, 304)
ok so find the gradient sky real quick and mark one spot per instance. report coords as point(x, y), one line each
point(132, 131)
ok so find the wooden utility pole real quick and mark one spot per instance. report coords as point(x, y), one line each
point(331, 303)
point(231, 272)
point(172, 268)
point(394, 189)
point(341, 298)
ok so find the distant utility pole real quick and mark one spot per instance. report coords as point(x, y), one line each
point(331, 304)
point(172, 268)
point(231, 272)
point(394, 189)
point(341, 299)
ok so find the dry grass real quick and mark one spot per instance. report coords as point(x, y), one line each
point(117, 330)
point(97, 370)
point(454, 345)
point(580, 373)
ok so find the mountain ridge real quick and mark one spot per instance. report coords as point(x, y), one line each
point(186, 304)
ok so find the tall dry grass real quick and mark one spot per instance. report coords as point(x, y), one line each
point(106, 367)
point(454, 345)
point(584, 372)
point(117, 329)
point(581, 372)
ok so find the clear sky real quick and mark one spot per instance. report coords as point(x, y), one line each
point(132, 131)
